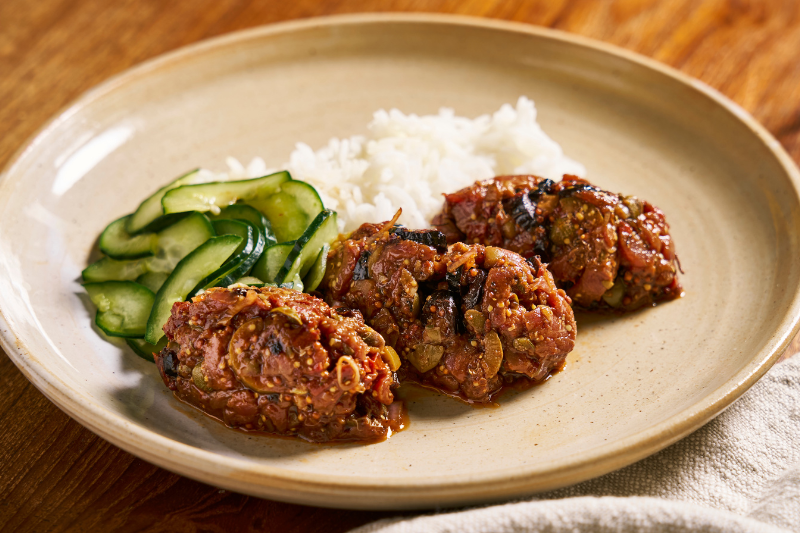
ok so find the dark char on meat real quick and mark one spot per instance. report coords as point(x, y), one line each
point(467, 320)
point(607, 251)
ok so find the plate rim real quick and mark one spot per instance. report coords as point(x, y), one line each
point(418, 492)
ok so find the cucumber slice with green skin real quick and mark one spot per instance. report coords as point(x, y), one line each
point(193, 268)
point(271, 261)
point(216, 195)
point(291, 210)
point(152, 280)
point(250, 214)
point(123, 307)
point(108, 269)
point(116, 242)
point(323, 230)
point(242, 260)
point(250, 281)
point(144, 349)
point(163, 222)
point(150, 210)
point(247, 261)
point(317, 270)
point(241, 228)
point(174, 243)
point(178, 240)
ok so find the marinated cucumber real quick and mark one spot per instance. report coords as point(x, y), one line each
point(265, 231)
point(233, 227)
point(242, 260)
point(250, 214)
point(152, 280)
point(317, 271)
point(116, 242)
point(150, 210)
point(241, 228)
point(216, 195)
point(193, 268)
point(250, 281)
point(323, 230)
point(271, 261)
point(291, 210)
point(144, 349)
point(178, 240)
point(107, 269)
point(174, 243)
point(123, 307)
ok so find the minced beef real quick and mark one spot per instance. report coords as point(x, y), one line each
point(608, 251)
point(280, 361)
point(465, 320)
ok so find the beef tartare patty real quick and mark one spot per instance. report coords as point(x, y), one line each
point(608, 251)
point(280, 361)
point(466, 321)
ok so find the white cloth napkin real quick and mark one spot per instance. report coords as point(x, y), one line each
point(738, 473)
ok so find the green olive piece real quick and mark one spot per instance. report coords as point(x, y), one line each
point(493, 353)
point(491, 256)
point(416, 305)
point(391, 358)
point(613, 296)
point(475, 320)
point(524, 344)
point(199, 378)
point(562, 232)
point(426, 356)
point(371, 337)
point(289, 313)
point(432, 335)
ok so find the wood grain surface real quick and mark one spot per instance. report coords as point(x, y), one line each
point(57, 476)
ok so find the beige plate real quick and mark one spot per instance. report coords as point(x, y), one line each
point(633, 385)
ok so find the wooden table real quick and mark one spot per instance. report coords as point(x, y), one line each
point(54, 474)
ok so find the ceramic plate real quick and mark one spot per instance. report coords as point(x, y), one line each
point(633, 385)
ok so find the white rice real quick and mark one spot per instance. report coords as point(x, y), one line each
point(408, 161)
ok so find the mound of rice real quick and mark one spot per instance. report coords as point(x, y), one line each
point(409, 161)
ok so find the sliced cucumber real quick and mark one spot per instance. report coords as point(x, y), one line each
point(291, 210)
point(174, 243)
point(250, 214)
point(317, 270)
point(123, 307)
point(150, 210)
point(242, 260)
point(296, 285)
point(193, 268)
point(323, 230)
point(216, 195)
point(271, 261)
point(250, 281)
point(178, 240)
point(235, 227)
point(254, 254)
point(144, 349)
point(116, 242)
point(107, 269)
point(152, 280)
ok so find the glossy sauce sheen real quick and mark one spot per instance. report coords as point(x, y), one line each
point(467, 321)
point(280, 361)
point(607, 251)
point(399, 423)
